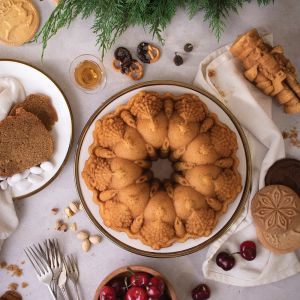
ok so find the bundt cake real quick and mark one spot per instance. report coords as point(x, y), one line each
point(203, 153)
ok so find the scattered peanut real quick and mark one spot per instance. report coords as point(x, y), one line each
point(82, 235)
point(24, 285)
point(86, 245)
point(95, 239)
point(68, 212)
point(74, 206)
point(73, 227)
point(60, 226)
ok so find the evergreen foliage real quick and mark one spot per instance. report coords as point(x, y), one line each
point(113, 17)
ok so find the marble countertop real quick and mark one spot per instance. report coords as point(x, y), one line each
point(36, 221)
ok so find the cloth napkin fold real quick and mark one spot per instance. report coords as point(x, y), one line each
point(221, 75)
point(8, 217)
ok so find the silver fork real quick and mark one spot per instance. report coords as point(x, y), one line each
point(72, 271)
point(41, 266)
point(55, 261)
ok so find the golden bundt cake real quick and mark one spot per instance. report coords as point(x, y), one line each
point(181, 133)
point(152, 126)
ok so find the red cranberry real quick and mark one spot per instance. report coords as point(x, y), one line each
point(201, 292)
point(225, 261)
point(118, 285)
point(158, 282)
point(139, 279)
point(154, 291)
point(107, 293)
point(248, 250)
point(136, 293)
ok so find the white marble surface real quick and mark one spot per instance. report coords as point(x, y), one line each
point(36, 221)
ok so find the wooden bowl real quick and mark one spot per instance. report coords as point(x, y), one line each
point(124, 272)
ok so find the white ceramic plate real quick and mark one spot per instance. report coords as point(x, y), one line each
point(35, 81)
point(190, 245)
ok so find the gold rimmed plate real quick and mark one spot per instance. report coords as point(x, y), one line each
point(36, 81)
point(191, 245)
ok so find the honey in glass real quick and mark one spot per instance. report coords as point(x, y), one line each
point(88, 74)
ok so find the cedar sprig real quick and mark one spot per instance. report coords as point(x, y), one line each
point(113, 17)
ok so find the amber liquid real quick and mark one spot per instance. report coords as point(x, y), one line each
point(88, 75)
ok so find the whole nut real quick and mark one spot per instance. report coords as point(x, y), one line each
point(73, 227)
point(69, 213)
point(82, 235)
point(95, 239)
point(86, 245)
point(74, 207)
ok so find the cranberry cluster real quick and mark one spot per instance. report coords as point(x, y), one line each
point(139, 286)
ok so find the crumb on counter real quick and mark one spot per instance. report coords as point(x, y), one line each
point(54, 210)
point(15, 270)
point(292, 136)
point(13, 286)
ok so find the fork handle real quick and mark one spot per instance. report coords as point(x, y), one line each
point(77, 291)
point(52, 293)
point(64, 291)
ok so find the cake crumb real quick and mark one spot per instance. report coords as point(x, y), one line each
point(3, 264)
point(222, 93)
point(13, 286)
point(24, 284)
point(292, 136)
point(211, 73)
point(54, 211)
point(15, 270)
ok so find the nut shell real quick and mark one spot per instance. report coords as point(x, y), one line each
point(82, 235)
point(86, 245)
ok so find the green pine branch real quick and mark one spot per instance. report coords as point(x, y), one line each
point(113, 17)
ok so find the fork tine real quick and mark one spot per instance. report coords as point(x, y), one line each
point(74, 263)
point(42, 250)
point(66, 265)
point(56, 250)
point(42, 262)
point(39, 252)
point(47, 251)
point(38, 265)
point(51, 255)
point(34, 266)
point(69, 264)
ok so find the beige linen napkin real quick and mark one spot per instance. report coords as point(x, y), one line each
point(221, 75)
point(8, 217)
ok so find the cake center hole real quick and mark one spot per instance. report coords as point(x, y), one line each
point(162, 169)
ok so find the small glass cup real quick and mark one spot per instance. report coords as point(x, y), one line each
point(84, 70)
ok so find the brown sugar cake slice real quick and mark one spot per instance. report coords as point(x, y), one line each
point(39, 105)
point(24, 142)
